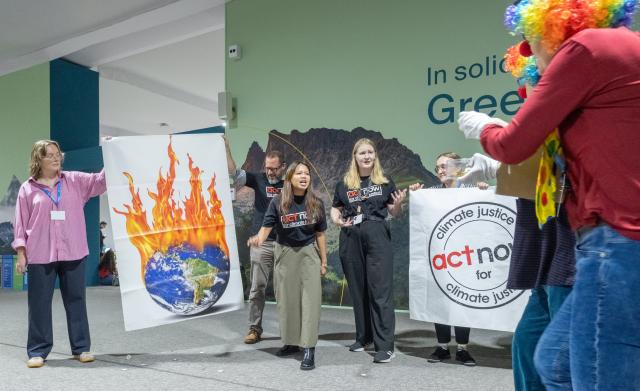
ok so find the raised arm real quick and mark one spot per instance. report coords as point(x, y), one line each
point(92, 184)
point(568, 82)
point(398, 197)
point(231, 164)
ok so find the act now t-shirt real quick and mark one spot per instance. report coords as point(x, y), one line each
point(294, 228)
point(370, 199)
point(264, 193)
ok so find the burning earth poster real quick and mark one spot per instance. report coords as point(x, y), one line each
point(173, 227)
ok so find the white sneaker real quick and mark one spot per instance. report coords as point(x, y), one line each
point(382, 357)
point(35, 362)
point(84, 357)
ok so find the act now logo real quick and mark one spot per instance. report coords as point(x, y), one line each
point(293, 220)
point(469, 254)
point(271, 191)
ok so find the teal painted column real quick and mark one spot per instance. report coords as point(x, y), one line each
point(74, 97)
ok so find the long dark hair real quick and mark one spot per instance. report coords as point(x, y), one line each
point(313, 205)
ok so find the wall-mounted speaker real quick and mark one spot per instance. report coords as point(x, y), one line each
point(225, 106)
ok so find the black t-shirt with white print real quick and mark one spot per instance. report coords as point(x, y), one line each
point(370, 200)
point(264, 193)
point(294, 228)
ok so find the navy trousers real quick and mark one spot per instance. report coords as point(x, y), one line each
point(42, 279)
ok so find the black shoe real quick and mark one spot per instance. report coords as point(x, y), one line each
point(358, 347)
point(308, 362)
point(464, 357)
point(287, 350)
point(439, 354)
point(383, 357)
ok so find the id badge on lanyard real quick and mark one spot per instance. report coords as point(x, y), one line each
point(359, 218)
point(56, 215)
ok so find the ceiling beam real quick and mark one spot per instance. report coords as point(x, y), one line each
point(152, 38)
point(157, 87)
point(114, 131)
point(167, 14)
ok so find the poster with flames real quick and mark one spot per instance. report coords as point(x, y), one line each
point(173, 227)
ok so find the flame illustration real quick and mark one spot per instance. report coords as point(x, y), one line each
point(198, 222)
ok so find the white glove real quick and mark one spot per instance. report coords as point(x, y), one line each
point(481, 168)
point(471, 123)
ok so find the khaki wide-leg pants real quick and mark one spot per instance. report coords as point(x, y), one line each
point(298, 293)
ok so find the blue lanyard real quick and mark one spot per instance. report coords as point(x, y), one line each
point(48, 193)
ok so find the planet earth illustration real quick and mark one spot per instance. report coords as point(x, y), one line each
point(187, 281)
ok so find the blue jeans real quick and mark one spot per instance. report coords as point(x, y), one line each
point(543, 304)
point(593, 343)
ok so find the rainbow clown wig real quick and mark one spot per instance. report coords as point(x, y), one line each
point(554, 21)
point(523, 68)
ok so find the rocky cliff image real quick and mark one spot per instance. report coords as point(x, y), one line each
point(329, 153)
point(7, 209)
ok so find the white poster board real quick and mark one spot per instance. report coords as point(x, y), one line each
point(173, 227)
point(461, 242)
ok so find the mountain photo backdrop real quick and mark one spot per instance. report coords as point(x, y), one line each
point(329, 153)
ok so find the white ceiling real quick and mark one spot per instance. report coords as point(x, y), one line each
point(160, 61)
point(30, 25)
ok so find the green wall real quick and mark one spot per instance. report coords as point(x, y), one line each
point(347, 63)
point(24, 118)
point(57, 100)
point(350, 64)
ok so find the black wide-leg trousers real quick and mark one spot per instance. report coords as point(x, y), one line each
point(366, 254)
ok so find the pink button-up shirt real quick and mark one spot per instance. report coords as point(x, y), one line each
point(48, 240)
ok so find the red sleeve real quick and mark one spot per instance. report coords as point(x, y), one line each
point(566, 84)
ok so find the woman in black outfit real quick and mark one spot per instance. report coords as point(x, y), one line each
point(361, 203)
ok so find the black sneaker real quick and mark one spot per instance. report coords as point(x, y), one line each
point(358, 346)
point(439, 354)
point(287, 350)
point(382, 357)
point(464, 357)
point(308, 362)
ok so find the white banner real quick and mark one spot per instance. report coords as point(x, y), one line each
point(173, 228)
point(460, 250)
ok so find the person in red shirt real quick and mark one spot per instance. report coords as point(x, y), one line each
point(590, 92)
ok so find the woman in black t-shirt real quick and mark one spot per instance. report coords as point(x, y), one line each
point(300, 260)
point(360, 206)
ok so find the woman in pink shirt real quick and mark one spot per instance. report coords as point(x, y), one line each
point(50, 238)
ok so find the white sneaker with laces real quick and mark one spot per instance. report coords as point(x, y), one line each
point(383, 357)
